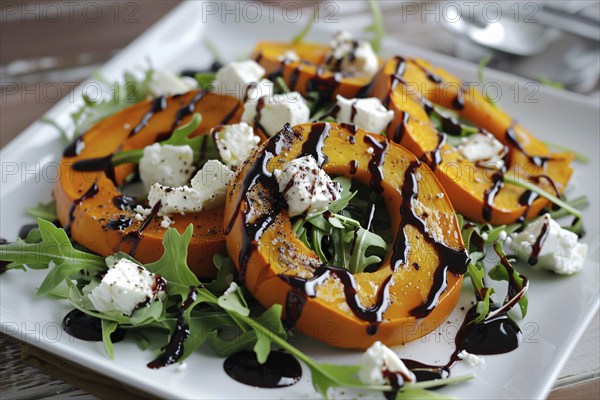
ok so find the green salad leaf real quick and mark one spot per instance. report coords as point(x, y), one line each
point(45, 211)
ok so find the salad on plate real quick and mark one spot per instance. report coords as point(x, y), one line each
point(313, 188)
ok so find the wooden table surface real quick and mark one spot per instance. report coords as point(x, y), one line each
point(84, 35)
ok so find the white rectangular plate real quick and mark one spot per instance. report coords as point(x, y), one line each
point(560, 307)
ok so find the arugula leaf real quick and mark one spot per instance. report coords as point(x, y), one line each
point(377, 26)
point(173, 264)
point(55, 251)
point(45, 211)
point(108, 327)
point(299, 38)
point(225, 275)
point(132, 91)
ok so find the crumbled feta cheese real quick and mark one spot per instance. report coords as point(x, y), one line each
point(378, 359)
point(139, 217)
point(211, 183)
point(289, 56)
point(471, 359)
point(235, 143)
point(256, 90)
point(174, 200)
point(305, 186)
point(166, 164)
point(125, 287)
point(143, 211)
point(235, 78)
point(483, 148)
point(560, 251)
point(352, 57)
point(440, 195)
point(276, 111)
point(207, 191)
point(368, 114)
point(502, 236)
point(166, 222)
point(165, 82)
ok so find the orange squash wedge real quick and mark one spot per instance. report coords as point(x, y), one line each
point(308, 74)
point(415, 287)
point(90, 205)
point(409, 87)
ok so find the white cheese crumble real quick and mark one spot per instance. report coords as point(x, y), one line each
point(236, 78)
point(289, 56)
point(378, 359)
point(166, 164)
point(368, 114)
point(351, 57)
point(471, 359)
point(305, 186)
point(165, 82)
point(181, 367)
point(560, 251)
point(256, 90)
point(166, 222)
point(273, 113)
point(125, 286)
point(235, 143)
point(211, 182)
point(208, 189)
point(483, 148)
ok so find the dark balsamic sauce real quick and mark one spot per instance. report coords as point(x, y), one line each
point(376, 163)
point(490, 194)
point(511, 137)
point(373, 314)
point(103, 164)
point(313, 145)
point(401, 128)
point(119, 223)
point(75, 147)
point(539, 242)
point(280, 370)
point(91, 192)
point(175, 348)
point(85, 327)
point(294, 304)
point(452, 260)
point(353, 167)
point(158, 105)
point(188, 109)
point(526, 199)
point(124, 202)
point(230, 114)
point(459, 101)
point(136, 236)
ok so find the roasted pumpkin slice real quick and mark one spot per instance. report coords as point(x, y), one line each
point(308, 74)
point(98, 216)
point(414, 288)
point(411, 87)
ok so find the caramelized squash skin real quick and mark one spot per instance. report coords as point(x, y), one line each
point(308, 75)
point(269, 255)
point(87, 219)
point(406, 86)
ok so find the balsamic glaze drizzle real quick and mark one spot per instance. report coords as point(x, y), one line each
point(75, 147)
point(103, 164)
point(490, 194)
point(188, 109)
point(158, 104)
point(280, 370)
point(136, 236)
point(175, 348)
point(91, 192)
point(313, 145)
point(511, 137)
point(85, 327)
point(401, 128)
point(376, 162)
point(539, 242)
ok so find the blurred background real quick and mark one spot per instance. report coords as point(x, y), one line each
point(61, 43)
